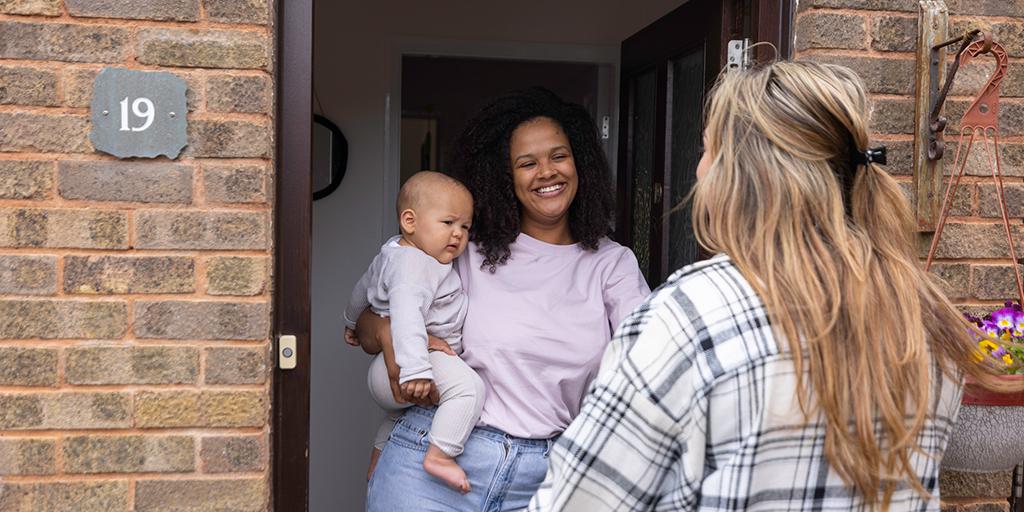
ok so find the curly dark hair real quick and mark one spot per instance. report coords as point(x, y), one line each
point(480, 159)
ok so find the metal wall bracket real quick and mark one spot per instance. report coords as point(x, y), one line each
point(932, 30)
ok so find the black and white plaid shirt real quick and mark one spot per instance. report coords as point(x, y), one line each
point(695, 408)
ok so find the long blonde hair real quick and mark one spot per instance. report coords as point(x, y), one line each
point(829, 247)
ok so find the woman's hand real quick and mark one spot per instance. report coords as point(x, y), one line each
point(374, 335)
point(418, 389)
point(435, 344)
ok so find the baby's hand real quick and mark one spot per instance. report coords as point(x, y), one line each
point(418, 388)
point(351, 338)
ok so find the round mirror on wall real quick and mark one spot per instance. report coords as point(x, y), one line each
point(330, 155)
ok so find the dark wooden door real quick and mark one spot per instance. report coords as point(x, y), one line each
point(667, 68)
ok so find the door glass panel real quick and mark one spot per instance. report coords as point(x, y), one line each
point(687, 102)
point(644, 92)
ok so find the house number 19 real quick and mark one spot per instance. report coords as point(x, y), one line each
point(153, 111)
point(148, 113)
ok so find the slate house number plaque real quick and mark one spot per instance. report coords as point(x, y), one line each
point(138, 113)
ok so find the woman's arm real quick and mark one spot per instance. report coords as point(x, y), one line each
point(374, 334)
point(625, 289)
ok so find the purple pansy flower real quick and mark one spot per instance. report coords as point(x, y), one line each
point(1004, 318)
point(991, 329)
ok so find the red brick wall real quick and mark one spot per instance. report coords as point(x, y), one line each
point(878, 39)
point(135, 294)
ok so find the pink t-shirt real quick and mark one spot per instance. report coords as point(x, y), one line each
point(536, 329)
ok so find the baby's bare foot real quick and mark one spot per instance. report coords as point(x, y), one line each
point(440, 465)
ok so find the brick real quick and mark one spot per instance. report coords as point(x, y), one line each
point(962, 241)
point(991, 282)
point(168, 409)
point(132, 365)
point(203, 48)
point(892, 34)
point(1011, 119)
point(232, 93)
point(78, 84)
point(66, 410)
point(831, 30)
point(128, 454)
point(892, 116)
point(228, 139)
point(235, 495)
point(28, 86)
point(26, 319)
point(28, 366)
point(1011, 159)
point(988, 201)
point(21, 456)
point(233, 408)
point(63, 228)
point(1009, 34)
point(97, 496)
point(174, 229)
point(177, 10)
point(28, 275)
point(136, 180)
point(900, 157)
point(238, 11)
point(235, 183)
point(21, 411)
point(972, 76)
point(237, 365)
point(974, 505)
point(956, 484)
point(236, 275)
point(886, 76)
point(57, 133)
point(25, 179)
point(63, 42)
point(233, 454)
point(38, 7)
point(963, 201)
point(129, 274)
point(202, 320)
point(78, 87)
point(956, 279)
point(1012, 8)
point(874, 5)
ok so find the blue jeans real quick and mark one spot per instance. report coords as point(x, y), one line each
point(503, 471)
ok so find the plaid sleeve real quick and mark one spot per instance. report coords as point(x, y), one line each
point(637, 433)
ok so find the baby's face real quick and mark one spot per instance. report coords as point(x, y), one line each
point(442, 226)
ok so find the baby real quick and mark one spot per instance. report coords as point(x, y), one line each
point(412, 281)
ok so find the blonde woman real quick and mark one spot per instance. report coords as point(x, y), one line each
point(811, 364)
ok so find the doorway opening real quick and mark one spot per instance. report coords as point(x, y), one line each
point(381, 73)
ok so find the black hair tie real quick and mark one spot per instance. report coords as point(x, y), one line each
point(875, 155)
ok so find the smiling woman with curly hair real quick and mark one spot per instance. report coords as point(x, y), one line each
point(545, 289)
point(481, 160)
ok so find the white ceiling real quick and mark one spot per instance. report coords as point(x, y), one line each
point(592, 22)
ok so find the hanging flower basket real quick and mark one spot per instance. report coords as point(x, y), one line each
point(990, 425)
point(987, 436)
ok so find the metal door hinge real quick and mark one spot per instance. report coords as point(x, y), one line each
point(606, 127)
point(286, 352)
point(739, 55)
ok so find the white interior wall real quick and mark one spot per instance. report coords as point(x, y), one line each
point(355, 74)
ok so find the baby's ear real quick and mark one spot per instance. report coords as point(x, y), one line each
point(407, 221)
